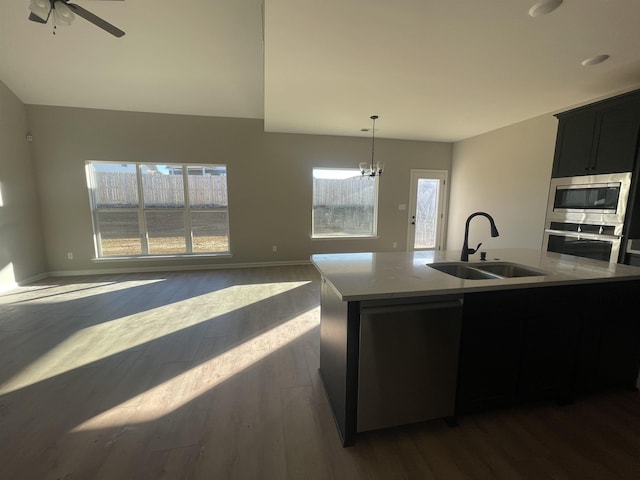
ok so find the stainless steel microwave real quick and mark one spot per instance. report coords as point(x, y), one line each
point(589, 198)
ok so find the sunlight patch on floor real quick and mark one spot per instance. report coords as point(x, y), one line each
point(7, 277)
point(48, 294)
point(169, 396)
point(109, 338)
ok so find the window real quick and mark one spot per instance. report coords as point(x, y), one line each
point(345, 204)
point(152, 209)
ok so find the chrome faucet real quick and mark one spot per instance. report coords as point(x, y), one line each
point(464, 256)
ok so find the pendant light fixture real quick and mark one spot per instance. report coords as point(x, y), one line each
point(373, 169)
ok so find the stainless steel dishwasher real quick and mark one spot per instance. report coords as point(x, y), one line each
point(408, 360)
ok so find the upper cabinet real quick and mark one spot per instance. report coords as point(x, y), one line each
point(598, 138)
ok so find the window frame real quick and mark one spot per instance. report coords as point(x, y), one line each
point(141, 209)
point(375, 205)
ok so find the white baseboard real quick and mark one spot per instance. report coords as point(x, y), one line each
point(177, 268)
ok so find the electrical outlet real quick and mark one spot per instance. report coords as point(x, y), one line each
point(395, 244)
point(275, 248)
point(70, 256)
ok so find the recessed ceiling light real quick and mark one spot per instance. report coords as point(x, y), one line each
point(587, 62)
point(544, 7)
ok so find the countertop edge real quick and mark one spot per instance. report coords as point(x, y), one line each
point(387, 275)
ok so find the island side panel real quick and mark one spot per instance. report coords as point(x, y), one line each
point(339, 350)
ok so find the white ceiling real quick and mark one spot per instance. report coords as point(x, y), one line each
point(432, 70)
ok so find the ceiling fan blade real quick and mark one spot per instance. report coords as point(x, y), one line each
point(35, 18)
point(97, 21)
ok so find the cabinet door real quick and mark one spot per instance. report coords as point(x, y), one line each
point(489, 354)
point(574, 144)
point(588, 354)
point(548, 356)
point(620, 355)
point(601, 138)
point(616, 145)
point(608, 352)
point(619, 360)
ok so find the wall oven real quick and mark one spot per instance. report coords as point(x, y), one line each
point(597, 241)
point(585, 215)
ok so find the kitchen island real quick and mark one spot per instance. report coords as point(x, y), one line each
point(403, 342)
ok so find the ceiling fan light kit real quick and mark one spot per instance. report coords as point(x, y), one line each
point(544, 7)
point(40, 8)
point(588, 62)
point(64, 13)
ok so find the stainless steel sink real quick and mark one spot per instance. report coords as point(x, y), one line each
point(463, 270)
point(486, 270)
point(509, 270)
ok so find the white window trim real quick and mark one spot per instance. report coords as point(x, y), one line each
point(372, 236)
point(141, 209)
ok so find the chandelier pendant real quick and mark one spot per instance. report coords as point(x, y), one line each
point(374, 168)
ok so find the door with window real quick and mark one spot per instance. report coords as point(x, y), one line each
point(427, 210)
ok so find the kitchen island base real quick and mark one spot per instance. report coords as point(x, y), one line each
point(559, 336)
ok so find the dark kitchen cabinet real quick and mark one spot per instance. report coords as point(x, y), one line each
point(547, 343)
point(619, 353)
point(516, 346)
point(608, 353)
point(490, 340)
point(633, 259)
point(598, 138)
point(574, 143)
point(618, 126)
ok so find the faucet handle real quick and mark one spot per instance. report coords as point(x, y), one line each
point(472, 251)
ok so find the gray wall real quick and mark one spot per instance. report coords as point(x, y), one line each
point(269, 179)
point(505, 173)
point(21, 248)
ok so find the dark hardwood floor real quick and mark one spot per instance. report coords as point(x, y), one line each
point(214, 375)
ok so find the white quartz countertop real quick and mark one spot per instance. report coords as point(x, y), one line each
point(370, 276)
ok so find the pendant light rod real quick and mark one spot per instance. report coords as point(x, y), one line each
point(373, 139)
point(373, 169)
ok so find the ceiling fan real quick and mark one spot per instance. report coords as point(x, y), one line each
point(63, 14)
